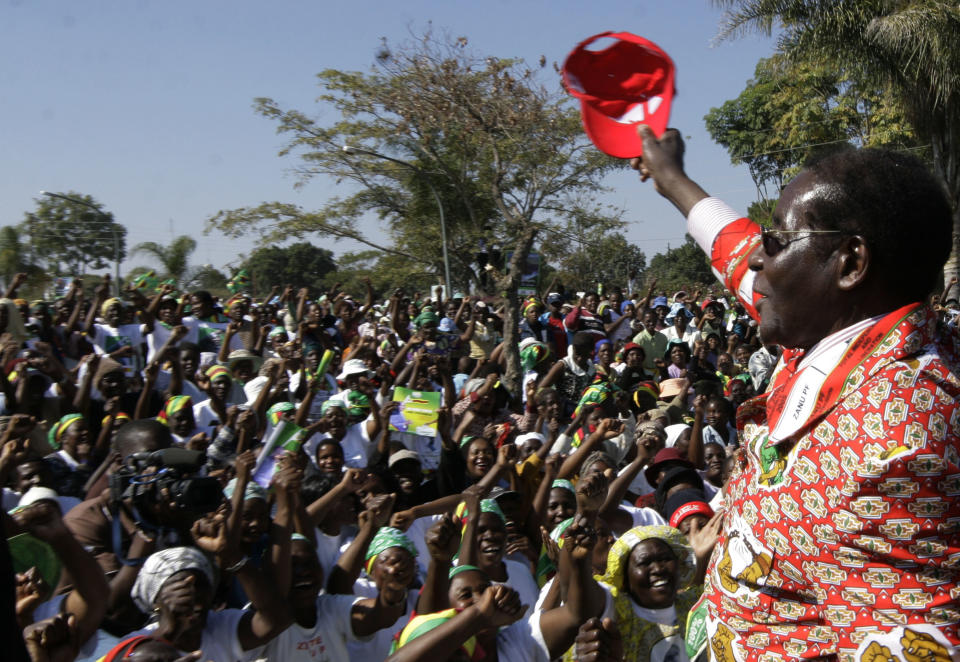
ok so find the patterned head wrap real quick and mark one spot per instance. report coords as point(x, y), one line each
point(386, 538)
point(146, 281)
point(254, 490)
point(617, 561)
point(426, 315)
point(457, 569)
point(645, 391)
point(276, 411)
point(109, 303)
point(532, 354)
point(491, 506)
point(531, 302)
point(239, 282)
point(596, 394)
point(420, 625)
point(563, 484)
point(615, 578)
point(162, 565)
point(60, 428)
point(216, 372)
point(743, 377)
point(119, 417)
point(330, 404)
point(174, 404)
point(358, 404)
point(278, 331)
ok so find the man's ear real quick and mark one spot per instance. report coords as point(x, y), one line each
point(854, 262)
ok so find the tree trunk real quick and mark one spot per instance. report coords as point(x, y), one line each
point(508, 284)
point(943, 129)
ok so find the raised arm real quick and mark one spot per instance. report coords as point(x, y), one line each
point(88, 599)
point(663, 162)
point(350, 563)
point(18, 280)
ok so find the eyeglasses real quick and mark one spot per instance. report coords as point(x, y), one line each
point(773, 242)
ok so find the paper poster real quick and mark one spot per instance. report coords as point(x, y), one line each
point(417, 413)
point(285, 437)
point(530, 276)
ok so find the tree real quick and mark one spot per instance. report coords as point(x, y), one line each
point(73, 236)
point(683, 268)
point(505, 155)
point(609, 259)
point(174, 258)
point(907, 47)
point(789, 113)
point(206, 277)
point(14, 256)
point(301, 264)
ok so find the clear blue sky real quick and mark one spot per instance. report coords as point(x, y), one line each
point(147, 105)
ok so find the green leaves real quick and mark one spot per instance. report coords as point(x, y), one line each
point(501, 148)
point(92, 232)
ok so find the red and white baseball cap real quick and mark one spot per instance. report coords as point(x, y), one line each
point(629, 83)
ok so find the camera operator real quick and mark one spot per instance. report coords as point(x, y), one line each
point(153, 500)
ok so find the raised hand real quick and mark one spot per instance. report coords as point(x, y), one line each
point(378, 510)
point(211, 535)
point(591, 493)
point(353, 480)
point(53, 639)
point(507, 455)
point(704, 539)
point(42, 520)
point(443, 539)
point(402, 519)
point(598, 641)
point(500, 606)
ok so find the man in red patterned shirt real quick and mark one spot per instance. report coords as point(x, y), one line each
point(841, 536)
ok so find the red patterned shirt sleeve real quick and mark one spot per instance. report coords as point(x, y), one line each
point(729, 240)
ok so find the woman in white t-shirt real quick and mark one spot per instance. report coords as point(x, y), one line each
point(177, 584)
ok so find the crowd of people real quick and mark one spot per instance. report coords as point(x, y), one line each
point(134, 426)
point(609, 507)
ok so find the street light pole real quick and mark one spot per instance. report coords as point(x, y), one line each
point(349, 149)
point(113, 231)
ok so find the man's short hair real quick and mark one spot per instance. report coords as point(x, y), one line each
point(141, 435)
point(894, 202)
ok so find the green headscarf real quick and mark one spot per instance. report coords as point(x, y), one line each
point(330, 404)
point(386, 538)
point(563, 484)
point(426, 315)
point(532, 354)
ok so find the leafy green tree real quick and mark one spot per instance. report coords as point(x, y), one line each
point(789, 113)
point(301, 265)
point(15, 257)
point(908, 47)
point(69, 237)
point(683, 268)
point(609, 259)
point(206, 277)
point(505, 155)
point(174, 258)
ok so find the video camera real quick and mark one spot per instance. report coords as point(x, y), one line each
point(144, 475)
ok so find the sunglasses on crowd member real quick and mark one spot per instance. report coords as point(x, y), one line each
point(773, 241)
